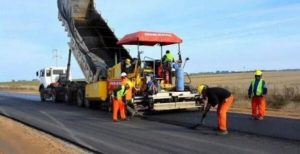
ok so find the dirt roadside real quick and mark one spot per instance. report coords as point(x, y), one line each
point(18, 138)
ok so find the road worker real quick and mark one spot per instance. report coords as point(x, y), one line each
point(127, 67)
point(168, 57)
point(118, 104)
point(258, 90)
point(216, 96)
point(167, 60)
point(152, 85)
point(129, 95)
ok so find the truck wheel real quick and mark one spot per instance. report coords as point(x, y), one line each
point(42, 96)
point(54, 96)
point(87, 103)
point(79, 98)
point(68, 99)
point(109, 107)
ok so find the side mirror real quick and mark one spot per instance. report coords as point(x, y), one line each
point(37, 73)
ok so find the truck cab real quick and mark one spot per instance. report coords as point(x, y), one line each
point(50, 78)
point(50, 75)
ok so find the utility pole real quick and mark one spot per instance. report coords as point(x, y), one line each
point(56, 56)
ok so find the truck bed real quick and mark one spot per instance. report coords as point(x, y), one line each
point(92, 41)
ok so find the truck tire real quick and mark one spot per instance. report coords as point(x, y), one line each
point(80, 98)
point(87, 103)
point(67, 98)
point(91, 104)
point(109, 107)
point(54, 96)
point(42, 96)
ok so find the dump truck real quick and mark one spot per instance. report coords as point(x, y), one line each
point(100, 55)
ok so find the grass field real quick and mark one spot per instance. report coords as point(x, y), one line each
point(19, 86)
point(283, 88)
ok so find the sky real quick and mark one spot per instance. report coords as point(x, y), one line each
point(235, 35)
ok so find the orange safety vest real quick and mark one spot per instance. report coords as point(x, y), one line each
point(128, 95)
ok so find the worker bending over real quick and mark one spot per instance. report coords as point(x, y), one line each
point(118, 104)
point(258, 90)
point(216, 96)
point(129, 103)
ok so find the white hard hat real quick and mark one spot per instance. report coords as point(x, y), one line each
point(123, 74)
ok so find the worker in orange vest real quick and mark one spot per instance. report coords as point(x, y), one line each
point(258, 90)
point(118, 104)
point(129, 95)
point(216, 96)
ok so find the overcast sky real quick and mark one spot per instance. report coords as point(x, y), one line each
point(217, 35)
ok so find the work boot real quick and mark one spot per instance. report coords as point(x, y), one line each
point(222, 132)
point(260, 118)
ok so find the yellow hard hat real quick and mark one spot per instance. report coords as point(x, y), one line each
point(258, 72)
point(127, 61)
point(200, 88)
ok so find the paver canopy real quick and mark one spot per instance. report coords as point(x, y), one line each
point(149, 39)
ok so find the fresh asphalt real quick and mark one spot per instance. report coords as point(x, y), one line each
point(164, 132)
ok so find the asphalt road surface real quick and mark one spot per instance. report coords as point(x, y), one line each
point(157, 133)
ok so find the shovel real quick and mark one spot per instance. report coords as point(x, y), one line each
point(201, 122)
point(197, 125)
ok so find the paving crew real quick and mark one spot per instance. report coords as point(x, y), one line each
point(258, 90)
point(216, 96)
point(118, 104)
point(129, 95)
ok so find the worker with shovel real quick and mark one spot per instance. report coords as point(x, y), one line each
point(128, 99)
point(216, 96)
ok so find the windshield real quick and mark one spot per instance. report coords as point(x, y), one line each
point(57, 72)
point(48, 72)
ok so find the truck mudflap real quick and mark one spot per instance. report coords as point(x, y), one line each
point(175, 105)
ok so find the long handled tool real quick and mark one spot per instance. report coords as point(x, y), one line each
point(201, 122)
